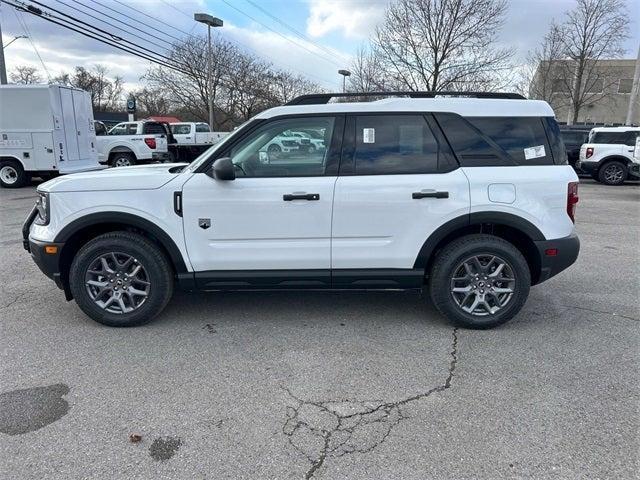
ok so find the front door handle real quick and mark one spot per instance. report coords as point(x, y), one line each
point(287, 197)
point(431, 194)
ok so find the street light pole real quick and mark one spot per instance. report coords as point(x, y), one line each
point(345, 74)
point(209, 21)
point(633, 98)
point(3, 65)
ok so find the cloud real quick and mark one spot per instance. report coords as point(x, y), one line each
point(352, 18)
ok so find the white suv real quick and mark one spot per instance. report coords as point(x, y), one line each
point(611, 155)
point(469, 198)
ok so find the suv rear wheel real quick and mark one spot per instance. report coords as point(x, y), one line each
point(613, 173)
point(121, 279)
point(479, 281)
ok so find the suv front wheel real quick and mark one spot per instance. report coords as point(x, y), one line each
point(479, 281)
point(121, 279)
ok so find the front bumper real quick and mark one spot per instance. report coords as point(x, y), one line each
point(556, 255)
point(48, 263)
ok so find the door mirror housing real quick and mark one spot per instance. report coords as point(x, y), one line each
point(223, 169)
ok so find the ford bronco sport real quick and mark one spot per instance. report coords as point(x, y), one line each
point(468, 196)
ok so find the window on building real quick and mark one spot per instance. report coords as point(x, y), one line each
point(594, 85)
point(625, 85)
point(560, 85)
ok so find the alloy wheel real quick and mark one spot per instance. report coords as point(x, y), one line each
point(122, 162)
point(117, 282)
point(613, 173)
point(483, 284)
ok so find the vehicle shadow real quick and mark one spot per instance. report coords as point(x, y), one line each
point(302, 307)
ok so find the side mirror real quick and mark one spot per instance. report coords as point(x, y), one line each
point(223, 169)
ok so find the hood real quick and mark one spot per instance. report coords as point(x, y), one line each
point(139, 177)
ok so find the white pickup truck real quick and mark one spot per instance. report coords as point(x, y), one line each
point(193, 138)
point(129, 143)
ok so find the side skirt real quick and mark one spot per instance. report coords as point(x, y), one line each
point(343, 279)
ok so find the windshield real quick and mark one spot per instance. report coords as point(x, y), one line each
point(204, 156)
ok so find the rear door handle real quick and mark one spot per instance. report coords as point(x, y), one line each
point(287, 197)
point(431, 194)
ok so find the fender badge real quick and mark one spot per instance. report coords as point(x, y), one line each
point(204, 223)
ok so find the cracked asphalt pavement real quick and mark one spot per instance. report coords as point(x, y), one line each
point(329, 385)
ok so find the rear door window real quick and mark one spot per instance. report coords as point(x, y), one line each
point(394, 144)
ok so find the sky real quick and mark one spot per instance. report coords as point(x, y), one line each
point(314, 38)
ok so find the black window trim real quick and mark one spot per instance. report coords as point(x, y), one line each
point(333, 157)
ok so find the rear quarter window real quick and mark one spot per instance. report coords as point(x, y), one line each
point(503, 141)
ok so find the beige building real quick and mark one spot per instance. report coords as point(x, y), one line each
point(607, 88)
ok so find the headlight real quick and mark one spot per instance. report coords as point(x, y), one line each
point(42, 204)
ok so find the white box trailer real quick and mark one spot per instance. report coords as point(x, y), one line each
point(45, 130)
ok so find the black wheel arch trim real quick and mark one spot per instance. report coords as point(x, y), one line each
point(616, 158)
point(130, 220)
point(476, 218)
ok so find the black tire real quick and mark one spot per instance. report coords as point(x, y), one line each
point(612, 173)
point(123, 159)
point(155, 265)
point(448, 262)
point(12, 175)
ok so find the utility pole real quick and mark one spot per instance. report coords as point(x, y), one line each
point(209, 21)
point(3, 65)
point(633, 98)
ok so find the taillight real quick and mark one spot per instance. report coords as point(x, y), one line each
point(572, 200)
point(589, 152)
point(151, 142)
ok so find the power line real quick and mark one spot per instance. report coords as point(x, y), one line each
point(25, 28)
point(109, 23)
point(146, 15)
point(295, 31)
point(104, 32)
point(281, 35)
point(92, 35)
point(195, 36)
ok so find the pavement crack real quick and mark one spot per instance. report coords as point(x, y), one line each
point(321, 430)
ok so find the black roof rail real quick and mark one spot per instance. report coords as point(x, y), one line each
point(323, 98)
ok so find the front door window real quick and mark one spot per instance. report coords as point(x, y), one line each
point(275, 150)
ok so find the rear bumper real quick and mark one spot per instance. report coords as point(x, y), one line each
point(161, 157)
point(587, 166)
point(556, 255)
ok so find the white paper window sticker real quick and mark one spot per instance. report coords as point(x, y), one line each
point(369, 135)
point(534, 152)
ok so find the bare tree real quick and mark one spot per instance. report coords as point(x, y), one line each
point(242, 84)
point(151, 102)
point(24, 74)
point(594, 30)
point(436, 45)
point(540, 72)
point(106, 93)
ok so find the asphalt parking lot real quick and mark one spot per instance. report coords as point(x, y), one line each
point(329, 385)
